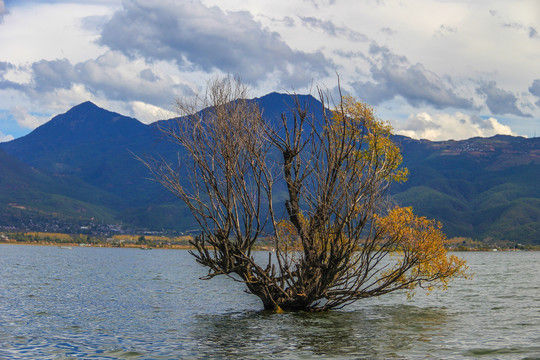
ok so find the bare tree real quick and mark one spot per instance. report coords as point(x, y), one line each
point(339, 239)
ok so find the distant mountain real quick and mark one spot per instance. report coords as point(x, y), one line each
point(484, 188)
point(99, 147)
point(88, 142)
point(480, 188)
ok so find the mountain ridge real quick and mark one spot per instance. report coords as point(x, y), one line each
point(481, 188)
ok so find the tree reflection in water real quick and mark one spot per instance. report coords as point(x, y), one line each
point(381, 332)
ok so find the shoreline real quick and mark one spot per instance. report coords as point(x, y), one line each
point(126, 246)
point(190, 247)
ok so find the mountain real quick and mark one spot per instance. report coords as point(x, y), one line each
point(483, 188)
point(480, 187)
point(98, 146)
point(88, 142)
point(30, 195)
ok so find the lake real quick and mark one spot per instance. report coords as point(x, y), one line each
point(107, 303)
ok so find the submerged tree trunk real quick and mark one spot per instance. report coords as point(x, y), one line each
point(332, 244)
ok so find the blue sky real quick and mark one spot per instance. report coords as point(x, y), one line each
point(435, 69)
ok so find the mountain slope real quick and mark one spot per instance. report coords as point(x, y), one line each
point(97, 146)
point(26, 192)
point(484, 188)
point(480, 188)
point(88, 142)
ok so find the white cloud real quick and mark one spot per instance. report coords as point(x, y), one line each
point(5, 138)
point(456, 126)
point(110, 77)
point(147, 113)
point(26, 119)
point(33, 31)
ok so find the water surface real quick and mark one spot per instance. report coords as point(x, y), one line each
point(103, 303)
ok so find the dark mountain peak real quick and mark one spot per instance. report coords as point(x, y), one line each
point(272, 105)
point(86, 121)
point(275, 104)
point(274, 96)
point(86, 109)
point(85, 106)
point(279, 99)
point(88, 112)
point(83, 126)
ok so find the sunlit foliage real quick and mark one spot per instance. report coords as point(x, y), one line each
point(419, 243)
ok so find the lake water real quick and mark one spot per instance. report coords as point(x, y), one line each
point(103, 303)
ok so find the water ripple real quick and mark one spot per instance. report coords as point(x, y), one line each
point(127, 304)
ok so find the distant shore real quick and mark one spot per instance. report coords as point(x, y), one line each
point(190, 247)
point(126, 246)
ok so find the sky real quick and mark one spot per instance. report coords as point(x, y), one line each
point(436, 69)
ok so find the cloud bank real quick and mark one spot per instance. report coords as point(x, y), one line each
point(394, 76)
point(442, 76)
point(500, 101)
point(207, 38)
point(456, 126)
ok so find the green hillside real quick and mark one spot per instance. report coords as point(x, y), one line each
point(28, 195)
point(487, 189)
